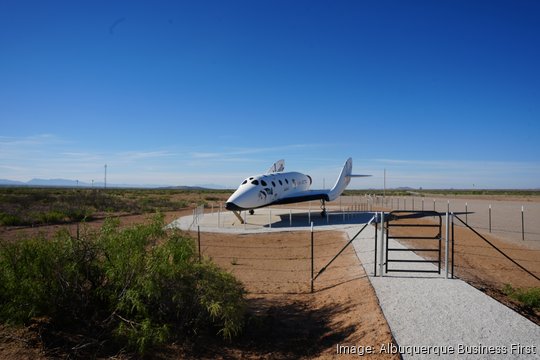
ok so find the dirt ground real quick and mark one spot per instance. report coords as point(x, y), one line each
point(275, 269)
point(286, 321)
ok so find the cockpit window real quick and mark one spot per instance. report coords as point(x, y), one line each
point(244, 182)
point(273, 184)
point(280, 182)
point(263, 183)
point(255, 182)
point(287, 181)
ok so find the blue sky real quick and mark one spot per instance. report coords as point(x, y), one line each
point(440, 93)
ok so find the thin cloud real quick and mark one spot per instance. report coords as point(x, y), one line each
point(205, 155)
point(241, 154)
point(28, 140)
point(462, 174)
point(139, 155)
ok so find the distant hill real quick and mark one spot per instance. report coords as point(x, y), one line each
point(183, 187)
point(74, 183)
point(11, 182)
point(55, 182)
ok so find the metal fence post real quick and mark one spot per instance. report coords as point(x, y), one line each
point(447, 232)
point(375, 252)
point(219, 216)
point(522, 224)
point(489, 217)
point(381, 254)
point(466, 213)
point(312, 261)
point(453, 244)
point(199, 241)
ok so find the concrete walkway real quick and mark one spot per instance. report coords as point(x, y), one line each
point(429, 316)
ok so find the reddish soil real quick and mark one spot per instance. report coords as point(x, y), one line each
point(275, 269)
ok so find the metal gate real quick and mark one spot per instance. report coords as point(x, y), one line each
point(401, 225)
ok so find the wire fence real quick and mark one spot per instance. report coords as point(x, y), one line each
point(198, 214)
point(511, 219)
point(498, 249)
point(281, 262)
point(287, 266)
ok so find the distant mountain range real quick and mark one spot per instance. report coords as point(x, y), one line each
point(75, 183)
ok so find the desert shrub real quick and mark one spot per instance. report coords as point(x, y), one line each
point(51, 217)
point(79, 213)
point(180, 204)
point(153, 204)
point(528, 297)
point(61, 214)
point(35, 206)
point(10, 219)
point(140, 285)
point(39, 277)
point(172, 290)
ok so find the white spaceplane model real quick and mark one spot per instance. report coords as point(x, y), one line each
point(278, 187)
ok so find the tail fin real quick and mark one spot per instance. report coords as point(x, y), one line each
point(278, 166)
point(343, 180)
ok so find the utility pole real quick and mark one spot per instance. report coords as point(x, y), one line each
point(384, 187)
point(105, 182)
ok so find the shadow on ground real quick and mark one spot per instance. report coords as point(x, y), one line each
point(334, 218)
point(279, 331)
point(274, 330)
